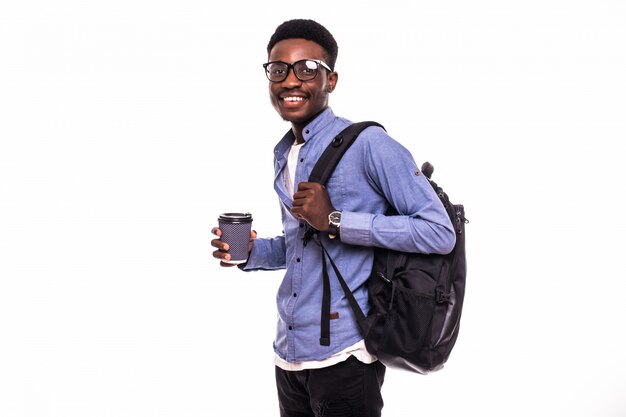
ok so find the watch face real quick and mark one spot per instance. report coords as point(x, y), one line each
point(335, 217)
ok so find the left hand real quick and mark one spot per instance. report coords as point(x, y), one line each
point(312, 203)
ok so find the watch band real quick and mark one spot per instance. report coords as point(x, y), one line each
point(333, 231)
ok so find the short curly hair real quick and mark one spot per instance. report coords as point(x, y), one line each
point(309, 30)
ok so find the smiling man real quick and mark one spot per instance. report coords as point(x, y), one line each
point(315, 376)
point(296, 91)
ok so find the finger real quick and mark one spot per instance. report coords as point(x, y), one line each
point(221, 255)
point(216, 243)
point(253, 235)
point(297, 213)
point(226, 265)
point(216, 231)
point(300, 195)
point(303, 186)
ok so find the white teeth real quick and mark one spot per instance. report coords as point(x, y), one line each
point(293, 98)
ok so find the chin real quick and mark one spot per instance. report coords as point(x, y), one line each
point(293, 118)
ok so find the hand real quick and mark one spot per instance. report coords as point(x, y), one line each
point(312, 204)
point(222, 248)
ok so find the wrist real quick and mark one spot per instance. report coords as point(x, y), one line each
point(333, 231)
point(334, 224)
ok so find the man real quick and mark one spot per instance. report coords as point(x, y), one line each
point(341, 377)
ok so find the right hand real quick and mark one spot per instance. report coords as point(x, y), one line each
point(222, 248)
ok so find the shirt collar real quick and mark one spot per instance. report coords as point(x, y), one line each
point(318, 124)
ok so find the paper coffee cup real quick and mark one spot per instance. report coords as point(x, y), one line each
point(236, 229)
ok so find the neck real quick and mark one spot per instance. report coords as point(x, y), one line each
point(297, 132)
point(298, 127)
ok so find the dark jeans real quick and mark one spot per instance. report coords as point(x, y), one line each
point(347, 389)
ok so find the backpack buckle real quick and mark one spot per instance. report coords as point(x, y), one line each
point(310, 234)
point(441, 296)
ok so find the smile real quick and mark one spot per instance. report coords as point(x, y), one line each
point(293, 99)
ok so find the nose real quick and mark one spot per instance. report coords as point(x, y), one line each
point(291, 81)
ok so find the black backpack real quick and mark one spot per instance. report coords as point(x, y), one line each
point(415, 299)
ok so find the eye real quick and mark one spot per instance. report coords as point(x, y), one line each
point(306, 69)
point(276, 69)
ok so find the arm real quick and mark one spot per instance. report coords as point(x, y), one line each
point(267, 254)
point(422, 224)
point(388, 170)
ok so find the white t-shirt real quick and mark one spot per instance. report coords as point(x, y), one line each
point(290, 169)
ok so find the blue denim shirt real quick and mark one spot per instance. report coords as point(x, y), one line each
point(374, 172)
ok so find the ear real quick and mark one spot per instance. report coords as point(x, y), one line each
point(333, 77)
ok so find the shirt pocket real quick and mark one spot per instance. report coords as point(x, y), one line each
point(335, 186)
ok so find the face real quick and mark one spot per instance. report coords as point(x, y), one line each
point(311, 97)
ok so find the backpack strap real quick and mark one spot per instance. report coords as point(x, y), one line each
point(333, 153)
point(331, 156)
point(320, 173)
point(354, 304)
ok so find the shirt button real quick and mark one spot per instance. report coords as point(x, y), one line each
point(295, 295)
point(306, 131)
point(301, 159)
point(290, 328)
point(297, 259)
point(301, 224)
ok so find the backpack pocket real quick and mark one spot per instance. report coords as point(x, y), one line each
point(408, 321)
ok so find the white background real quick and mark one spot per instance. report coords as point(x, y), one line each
point(126, 127)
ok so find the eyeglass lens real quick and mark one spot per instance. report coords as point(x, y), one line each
point(304, 70)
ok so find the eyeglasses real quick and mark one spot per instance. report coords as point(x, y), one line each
point(304, 70)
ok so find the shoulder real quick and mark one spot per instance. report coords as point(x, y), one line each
point(373, 143)
point(377, 142)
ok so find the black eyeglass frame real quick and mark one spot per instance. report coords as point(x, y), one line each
point(290, 67)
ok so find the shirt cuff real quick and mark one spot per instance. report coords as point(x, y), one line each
point(252, 263)
point(356, 228)
point(267, 254)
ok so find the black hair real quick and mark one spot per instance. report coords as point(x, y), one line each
point(309, 30)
